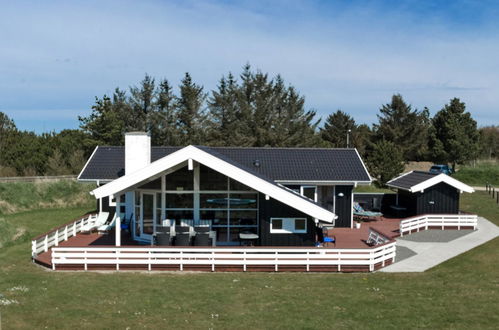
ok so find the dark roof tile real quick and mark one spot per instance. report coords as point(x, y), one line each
point(278, 164)
point(411, 179)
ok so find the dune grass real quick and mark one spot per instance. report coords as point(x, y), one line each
point(24, 196)
point(480, 175)
point(460, 293)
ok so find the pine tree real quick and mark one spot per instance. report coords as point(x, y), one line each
point(7, 126)
point(142, 102)
point(227, 120)
point(336, 128)
point(163, 119)
point(104, 125)
point(191, 114)
point(385, 162)
point(406, 128)
point(454, 135)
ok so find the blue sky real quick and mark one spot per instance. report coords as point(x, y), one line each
point(56, 56)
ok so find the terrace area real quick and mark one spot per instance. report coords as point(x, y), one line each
point(351, 243)
point(368, 248)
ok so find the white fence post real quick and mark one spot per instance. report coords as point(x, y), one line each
point(276, 258)
point(244, 260)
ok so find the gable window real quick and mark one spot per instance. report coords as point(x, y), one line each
point(288, 225)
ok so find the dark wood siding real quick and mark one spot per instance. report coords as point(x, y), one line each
point(439, 199)
point(275, 209)
point(343, 207)
point(105, 205)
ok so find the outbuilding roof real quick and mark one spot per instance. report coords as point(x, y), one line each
point(283, 165)
point(416, 181)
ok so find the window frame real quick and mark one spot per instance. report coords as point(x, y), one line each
point(288, 226)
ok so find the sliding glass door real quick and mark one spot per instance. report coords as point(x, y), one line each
point(147, 217)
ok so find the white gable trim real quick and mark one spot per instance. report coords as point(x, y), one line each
point(156, 168)
point(420, 187)
point(442, 178)
point(364, 165)
point(86, 164)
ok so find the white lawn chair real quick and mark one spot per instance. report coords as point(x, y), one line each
point(96, 223)
point(107, 226)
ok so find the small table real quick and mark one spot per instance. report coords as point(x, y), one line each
point(247, 237)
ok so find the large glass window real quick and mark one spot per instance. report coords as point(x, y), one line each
point(213, 201)
point(229, 206)
point(243, 201)
point(243, 218)
point(238, 186)
point(217, 217)
point(179, 201)
point(182, 179)
point(212, 180)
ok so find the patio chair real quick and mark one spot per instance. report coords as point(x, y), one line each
point(202, 239)
point(182, 229)
point(360, 213)
point(162, 239)
point(182, 239)
point(202, 229)
point(105, 228)
point(96, 223)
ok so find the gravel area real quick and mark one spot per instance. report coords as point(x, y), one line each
point(403, 253)
point(435, 235)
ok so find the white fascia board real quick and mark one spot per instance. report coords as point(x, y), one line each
point(223, 167)
point(364, 165)
point(86, 164)
point(402, 175)
point(442, 178)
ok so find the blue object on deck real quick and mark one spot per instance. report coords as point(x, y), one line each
point(124, 226)
point(329, 240)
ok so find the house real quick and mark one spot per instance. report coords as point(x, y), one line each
point(280, 195)
point(428, 193)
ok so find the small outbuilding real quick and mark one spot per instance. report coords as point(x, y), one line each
point(421, 192)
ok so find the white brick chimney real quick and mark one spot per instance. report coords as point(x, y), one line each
point(137, 151)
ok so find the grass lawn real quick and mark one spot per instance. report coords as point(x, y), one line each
point(480, 175)
point(461, 293)
point(371, 189)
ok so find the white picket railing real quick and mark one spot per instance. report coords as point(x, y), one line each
point(223, 256)
point(45, 242)
point(438, 220)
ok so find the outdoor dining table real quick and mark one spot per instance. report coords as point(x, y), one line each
point(248, 237)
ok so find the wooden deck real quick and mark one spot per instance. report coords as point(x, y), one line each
point(84, 240)
point(346, 238)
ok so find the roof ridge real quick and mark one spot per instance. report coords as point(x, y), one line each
point(232, 147)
